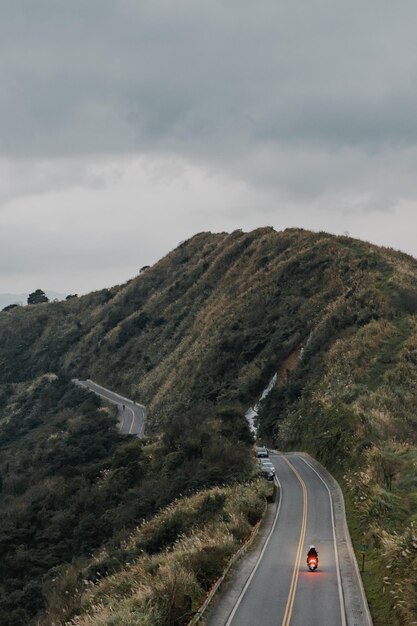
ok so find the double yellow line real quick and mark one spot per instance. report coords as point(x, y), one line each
point(294, 581)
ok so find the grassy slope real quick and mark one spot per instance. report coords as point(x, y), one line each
point(207, 326)
point(168, 572)
point(208, 323)
point(350, 401)
point(70, 484)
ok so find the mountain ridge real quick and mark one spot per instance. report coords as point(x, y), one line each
point(196, 338)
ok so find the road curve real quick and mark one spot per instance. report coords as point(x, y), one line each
point(131, 414)
point(281, 591)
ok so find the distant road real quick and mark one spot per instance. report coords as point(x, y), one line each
point(280, 590)
point(131, 414)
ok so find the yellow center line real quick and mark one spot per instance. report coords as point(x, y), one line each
point(294, 580)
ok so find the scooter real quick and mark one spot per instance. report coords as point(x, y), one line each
point(312, 563)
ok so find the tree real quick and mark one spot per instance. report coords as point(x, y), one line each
point(37, 297)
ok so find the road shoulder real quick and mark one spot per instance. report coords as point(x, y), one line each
point(356, 605)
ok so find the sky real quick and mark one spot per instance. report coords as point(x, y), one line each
point(127, 126)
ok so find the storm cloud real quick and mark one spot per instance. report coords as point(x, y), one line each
point(275, 111)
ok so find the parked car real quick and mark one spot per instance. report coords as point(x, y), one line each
point(266, 464)
point(267, 473)
point(262, 453)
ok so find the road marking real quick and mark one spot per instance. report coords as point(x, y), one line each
point(142, 427)
point(258, 562)
point(133, 419)
point(89, 384)
point(294, 581)
point(339, 580)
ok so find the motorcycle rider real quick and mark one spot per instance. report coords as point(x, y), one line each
point(312, 553)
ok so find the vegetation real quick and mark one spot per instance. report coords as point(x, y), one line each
point(350, 401)
point(196, 338)
point(171, 562)
point(37, 297)
point(9, 307)
point(70, 484)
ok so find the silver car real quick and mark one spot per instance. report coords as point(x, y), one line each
point(266, 464)
point(262, 452)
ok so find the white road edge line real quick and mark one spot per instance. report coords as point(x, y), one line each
point(142, 428)
point(339, 580)
point(248, 582)
point(85, 384)
point(133, 419)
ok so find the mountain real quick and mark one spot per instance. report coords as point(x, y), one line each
point(196, 338)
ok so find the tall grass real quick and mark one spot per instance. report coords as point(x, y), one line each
point(162, 584)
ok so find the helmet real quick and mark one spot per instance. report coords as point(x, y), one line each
point(312, 548)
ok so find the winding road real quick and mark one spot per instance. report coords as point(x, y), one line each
point(131, 414)
point(276, 588)
point(280, 590)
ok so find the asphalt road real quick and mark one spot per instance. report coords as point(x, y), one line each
point(131, 414)
point(281, 590)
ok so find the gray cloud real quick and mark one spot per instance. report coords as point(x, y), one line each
point(125, 76)
point(282, 112)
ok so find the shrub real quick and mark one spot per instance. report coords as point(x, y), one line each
point(208, 565)
point(164, 533)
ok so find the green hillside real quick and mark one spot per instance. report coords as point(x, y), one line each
point(196, 338)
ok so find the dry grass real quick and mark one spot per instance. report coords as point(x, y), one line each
point(164, 588)
point(222, 313)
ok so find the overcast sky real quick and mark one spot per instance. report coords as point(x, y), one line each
point(127, 126)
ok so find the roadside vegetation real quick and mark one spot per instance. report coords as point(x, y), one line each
point(71, 485)
point(350, 401)
point(169, 563)
point(196, 338)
